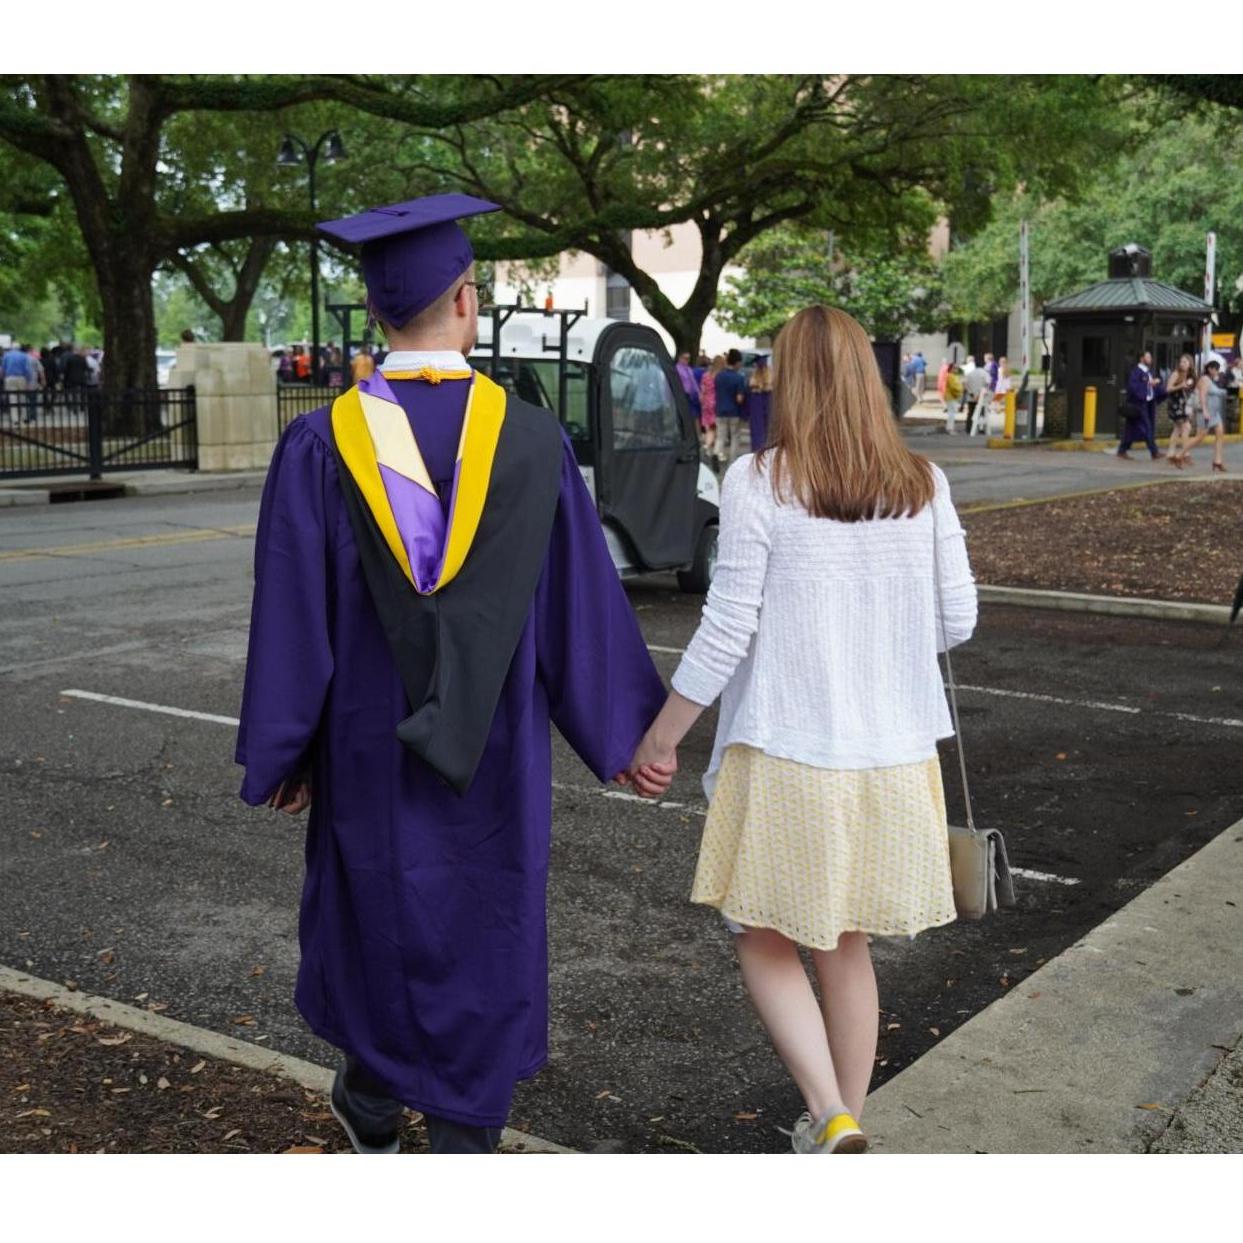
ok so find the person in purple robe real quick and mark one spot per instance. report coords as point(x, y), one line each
point(759, 402)
point(432, 592)
point(690, 384)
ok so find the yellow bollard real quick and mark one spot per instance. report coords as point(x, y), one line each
point(1089, 413)
point(1012, 402)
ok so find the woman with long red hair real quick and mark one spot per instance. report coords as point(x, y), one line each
point(842, 571)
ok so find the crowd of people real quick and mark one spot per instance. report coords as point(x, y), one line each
point(295, 364)
point(730, 404)
point(35, 379)
point(979, 389)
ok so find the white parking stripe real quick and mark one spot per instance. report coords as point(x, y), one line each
point(1047, 877)
point(146, 707)
point(1094, 704)
point(602, 792)
point(1052, 699)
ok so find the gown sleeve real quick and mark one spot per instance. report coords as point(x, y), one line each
point(289, 662)
point(603, 689)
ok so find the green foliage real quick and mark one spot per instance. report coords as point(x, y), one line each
point(1177, 186)
point(873, 158)
point(891, 293)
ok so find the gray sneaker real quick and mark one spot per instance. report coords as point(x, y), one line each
point(833, 1133)
point(360, 1140)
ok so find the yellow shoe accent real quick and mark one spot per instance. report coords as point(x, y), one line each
point(842, 1134)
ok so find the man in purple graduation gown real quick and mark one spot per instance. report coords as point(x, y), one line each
point(422, 928)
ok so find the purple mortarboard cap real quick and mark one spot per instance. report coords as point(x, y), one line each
point(411, 252)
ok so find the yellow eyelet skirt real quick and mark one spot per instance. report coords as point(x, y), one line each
point(815, 852)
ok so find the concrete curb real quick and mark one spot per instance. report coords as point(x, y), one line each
point(212, 1044)
point(1097, 1050)
point(196, 483)
point(36, 490)
point(11, 497)
point(1026, 502)
point(1111, 606)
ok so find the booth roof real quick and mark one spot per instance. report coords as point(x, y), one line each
point(1130, 293)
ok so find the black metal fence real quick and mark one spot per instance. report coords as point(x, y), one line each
point(295, 399)
point(92, 430)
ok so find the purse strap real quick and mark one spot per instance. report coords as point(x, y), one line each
point(949, 668)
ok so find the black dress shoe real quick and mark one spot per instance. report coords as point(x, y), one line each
point(361, 1141)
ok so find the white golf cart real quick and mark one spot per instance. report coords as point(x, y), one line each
point(615, 390)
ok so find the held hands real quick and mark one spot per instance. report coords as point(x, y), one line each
point(652, 769)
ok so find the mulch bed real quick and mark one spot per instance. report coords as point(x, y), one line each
point(69, 1083)
point(1166, 542)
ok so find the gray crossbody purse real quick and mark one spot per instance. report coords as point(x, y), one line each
point(978, 861)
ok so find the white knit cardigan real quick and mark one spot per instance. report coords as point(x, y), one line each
point(821, 637)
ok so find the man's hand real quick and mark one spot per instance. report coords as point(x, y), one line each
point(292, 796)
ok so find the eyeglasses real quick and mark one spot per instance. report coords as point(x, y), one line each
point(483, 289)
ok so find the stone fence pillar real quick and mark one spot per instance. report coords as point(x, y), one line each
point(234, 399)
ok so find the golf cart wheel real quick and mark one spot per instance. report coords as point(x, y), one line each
point(699, 577)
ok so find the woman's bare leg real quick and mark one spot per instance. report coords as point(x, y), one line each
point(783, 997)
point(851, 1013)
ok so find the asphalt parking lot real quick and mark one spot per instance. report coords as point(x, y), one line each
point(1105, 748)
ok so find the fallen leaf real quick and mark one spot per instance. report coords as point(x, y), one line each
point(22, 1087)
point(1061, 755)
point(112, 1041)
point(745, 1117)
point(936, 1031)
point(245, 1020)
point(168, 802)
point(162, 1083)
point(1022, 951)
point(102, 846)
point(142, 996)
point(1149, 1106)
point(315, 1139)
point(1032, 996)
point(194, 1070)
point(214, 1112)
point(71, 985)
point(324, 1116)
point(601, 1095)
point(301, 1148)
point(157, 1006)
point(658, 1118)
point(257, 970)
point(106, 956)
point(118, 1091)
point(35, 1113)
point(231, 1134)
point(892, 1027)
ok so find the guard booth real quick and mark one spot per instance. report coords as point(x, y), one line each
point(1102, 330)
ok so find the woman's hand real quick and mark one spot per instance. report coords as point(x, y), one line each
point(652, 768)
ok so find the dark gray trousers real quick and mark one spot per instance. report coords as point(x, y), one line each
point(370, 1108)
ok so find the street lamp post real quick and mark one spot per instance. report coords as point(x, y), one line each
point(294, 150)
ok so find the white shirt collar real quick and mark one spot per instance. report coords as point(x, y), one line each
point(412, 360)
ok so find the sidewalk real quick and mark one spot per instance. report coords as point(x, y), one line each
point(1128, 1042)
